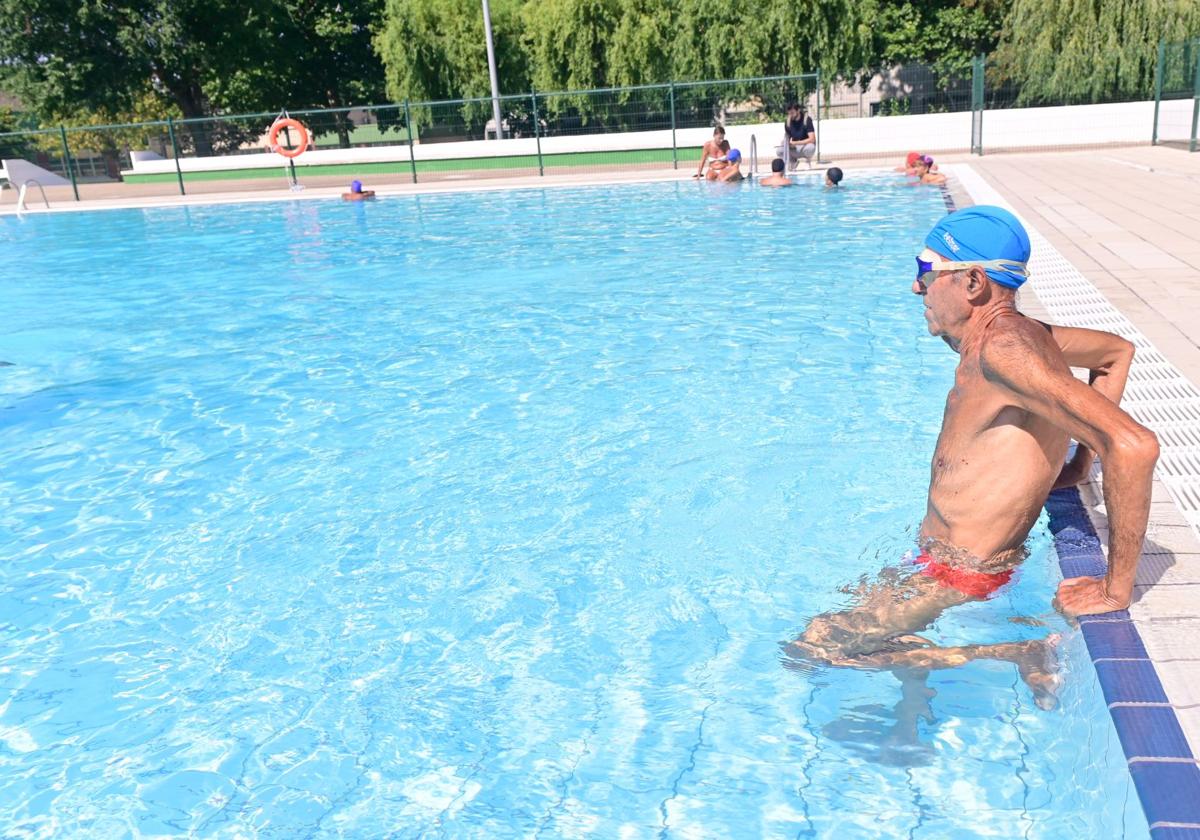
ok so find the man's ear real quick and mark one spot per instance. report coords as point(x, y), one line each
point(977, 285)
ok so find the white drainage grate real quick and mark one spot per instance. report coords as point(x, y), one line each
point(1157, 394)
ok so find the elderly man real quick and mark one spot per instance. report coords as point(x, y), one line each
point(1005, 432)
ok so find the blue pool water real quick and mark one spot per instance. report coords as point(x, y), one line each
point(483, 515)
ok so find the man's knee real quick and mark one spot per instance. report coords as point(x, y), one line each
point(823, 640)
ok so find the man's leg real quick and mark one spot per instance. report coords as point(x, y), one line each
point(880, 633)
point(900, 603)
point(1036, 661)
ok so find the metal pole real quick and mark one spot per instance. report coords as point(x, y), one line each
point(491, 54)
point(67, 160)
point(1195, 99)
point(674, 146)
point(977, 101)
point(818, 126)
point(537, 131)
point(175, 151)
point(411, 157)
point(1158, 83)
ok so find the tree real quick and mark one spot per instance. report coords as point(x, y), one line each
point(61, 58)
point(944, 34)
point(435, 49)
point(202, 56)
point(642, 43)
point(568, 41)
point(1089, 50)
point(322, 56)
point(12, 143)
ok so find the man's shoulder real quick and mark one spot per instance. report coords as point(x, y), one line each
point(1014, 344)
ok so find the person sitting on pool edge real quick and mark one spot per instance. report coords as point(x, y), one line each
point(714, 152)
point(777, 178)
point(357, 193)
point(925, 171)
point(1009, 418)
point(732, 171)
point(833, 177)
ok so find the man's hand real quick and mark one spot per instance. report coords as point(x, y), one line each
point(1075, 470)
point(1087, 596)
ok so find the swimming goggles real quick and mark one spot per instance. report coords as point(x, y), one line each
point(926, 267)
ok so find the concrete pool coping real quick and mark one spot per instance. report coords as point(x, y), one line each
point(1145, 660)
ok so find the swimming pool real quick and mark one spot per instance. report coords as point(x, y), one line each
point(483, 515)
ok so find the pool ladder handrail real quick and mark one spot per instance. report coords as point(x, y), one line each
point(25, 188)
point(753, 156)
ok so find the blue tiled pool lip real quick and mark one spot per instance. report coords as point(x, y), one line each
point(1164, 770)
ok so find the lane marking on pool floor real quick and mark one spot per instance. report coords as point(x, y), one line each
point(1157, 750)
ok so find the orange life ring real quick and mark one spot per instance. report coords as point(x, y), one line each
point(295, 125)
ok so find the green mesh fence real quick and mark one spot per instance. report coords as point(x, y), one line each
point(1177, 95)
point(609, 130)
point(1095, 112)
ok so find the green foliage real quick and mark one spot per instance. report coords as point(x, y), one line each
point(1090, 50)
point(199, 56)
point(567, 42)
point(435, 49)
point(15, 145)
point(945, 34)
point(641, 48)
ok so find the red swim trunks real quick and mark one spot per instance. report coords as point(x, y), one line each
point(968, 582)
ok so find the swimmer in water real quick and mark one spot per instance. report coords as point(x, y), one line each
point(357, 193)
point(926, 171)
point(1006, 427)
point(777, 178)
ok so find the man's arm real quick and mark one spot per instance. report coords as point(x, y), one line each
point(1107, 359)
point(1024, 366)
point(810, 133)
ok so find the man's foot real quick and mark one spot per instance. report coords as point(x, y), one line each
point(1037, 663)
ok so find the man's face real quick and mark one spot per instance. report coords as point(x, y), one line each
point(942, 296)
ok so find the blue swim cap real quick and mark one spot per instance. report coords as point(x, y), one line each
point(356, 186)
point(734, 156)
point(982, 233)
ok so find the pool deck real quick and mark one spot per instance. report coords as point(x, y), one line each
point(1128, 221)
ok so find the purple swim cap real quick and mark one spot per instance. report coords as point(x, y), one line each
point(927, 159)
point(356, 186)
point(734, 156)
